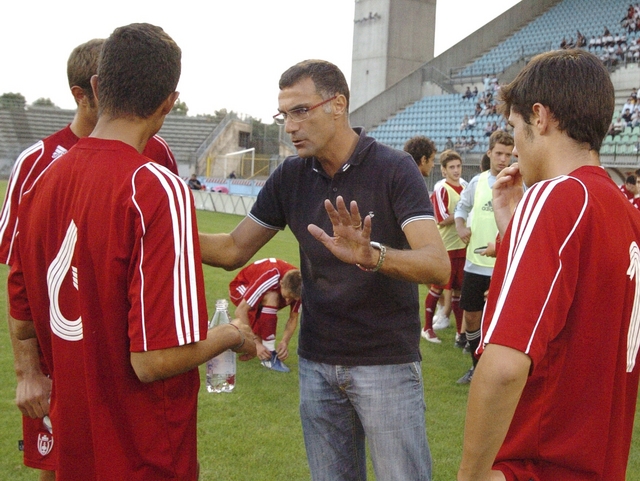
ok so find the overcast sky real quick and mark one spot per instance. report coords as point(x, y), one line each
point(233, 50)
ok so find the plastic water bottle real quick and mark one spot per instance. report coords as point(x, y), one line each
point(221, 370)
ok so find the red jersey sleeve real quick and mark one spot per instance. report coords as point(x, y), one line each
point(440, 201)
point(158, 150)
point(168, 306)
point(522, 314)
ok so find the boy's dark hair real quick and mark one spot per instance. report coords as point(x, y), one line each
point(419, 146)
point(83, 64)
point(139, 68)
point(485, 163)
point(328, 79)
point(574, 85)
point(631, 179)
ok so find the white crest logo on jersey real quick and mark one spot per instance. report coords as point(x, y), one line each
point(633, 336)
point(45, 443)
point(68, 329)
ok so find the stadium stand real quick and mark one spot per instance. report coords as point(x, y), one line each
point(439, 116)
point(20, 128)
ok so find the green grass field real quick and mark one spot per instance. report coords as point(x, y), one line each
point(254, 433)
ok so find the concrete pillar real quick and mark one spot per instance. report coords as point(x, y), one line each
point(391, 38)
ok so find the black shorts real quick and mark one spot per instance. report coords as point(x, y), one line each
point(473, 288)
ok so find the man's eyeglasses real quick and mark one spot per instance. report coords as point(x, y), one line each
point(298, 115)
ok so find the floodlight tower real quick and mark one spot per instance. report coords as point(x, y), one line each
point(391, 38)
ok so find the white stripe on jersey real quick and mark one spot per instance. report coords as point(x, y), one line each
point(440, 206)
point(524, 221)
point(419, 217)
point(186, 311)
point(265, 286)
point(38, 148)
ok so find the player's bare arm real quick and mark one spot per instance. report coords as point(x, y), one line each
point(152, 366)
point(242, 314)
point(426, 262)
point(231, 251)
point(282, 348)
point(493, 396)
point(463, 231)
point(507, 192)
point(33, 388)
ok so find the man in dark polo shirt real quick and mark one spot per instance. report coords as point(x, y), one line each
point(359, 352)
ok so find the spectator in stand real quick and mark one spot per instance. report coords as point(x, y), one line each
point(471, 123)
point(448, 145)
point(598, 44)
point(592, 43)
point(630, 103)
point(627, 117)
point(475, 91)
point(471, 143)
point(478, 110)
point(194, 183)
point(467, 94)
point(465, 123)
point(486, 83)
point(494, 126)
point(617, 127)
point(487, 130)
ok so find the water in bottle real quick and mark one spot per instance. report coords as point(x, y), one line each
point(221, 370)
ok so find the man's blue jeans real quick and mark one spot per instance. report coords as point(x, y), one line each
point(341, 405)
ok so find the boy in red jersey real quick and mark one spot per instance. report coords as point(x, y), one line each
point(107, 275)
point(444, 198)
point(554, 394)
point(259, 291)
point(34, 384)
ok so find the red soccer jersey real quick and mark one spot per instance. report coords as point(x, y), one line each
point(440, 199)
point(108, 263)
point(255, 280)
point(32, 162)
point(570, 238)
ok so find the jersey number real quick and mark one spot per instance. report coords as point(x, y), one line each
point(68, 329)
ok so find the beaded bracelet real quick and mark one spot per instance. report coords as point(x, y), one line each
point(241, 335)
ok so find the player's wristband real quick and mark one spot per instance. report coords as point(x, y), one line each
point(383, 252)
point(241, 335)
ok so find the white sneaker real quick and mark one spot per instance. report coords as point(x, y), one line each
point(440, 323)
point(430, 336)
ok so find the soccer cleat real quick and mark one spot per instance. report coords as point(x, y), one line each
point(430, 336)
point(275, 364)
point(441, 322)
point(461, 341)
point(466, 379)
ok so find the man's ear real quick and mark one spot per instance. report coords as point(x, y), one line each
point(340, 105)
point(541, 118)
point(168, 104)
point(79, 94)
